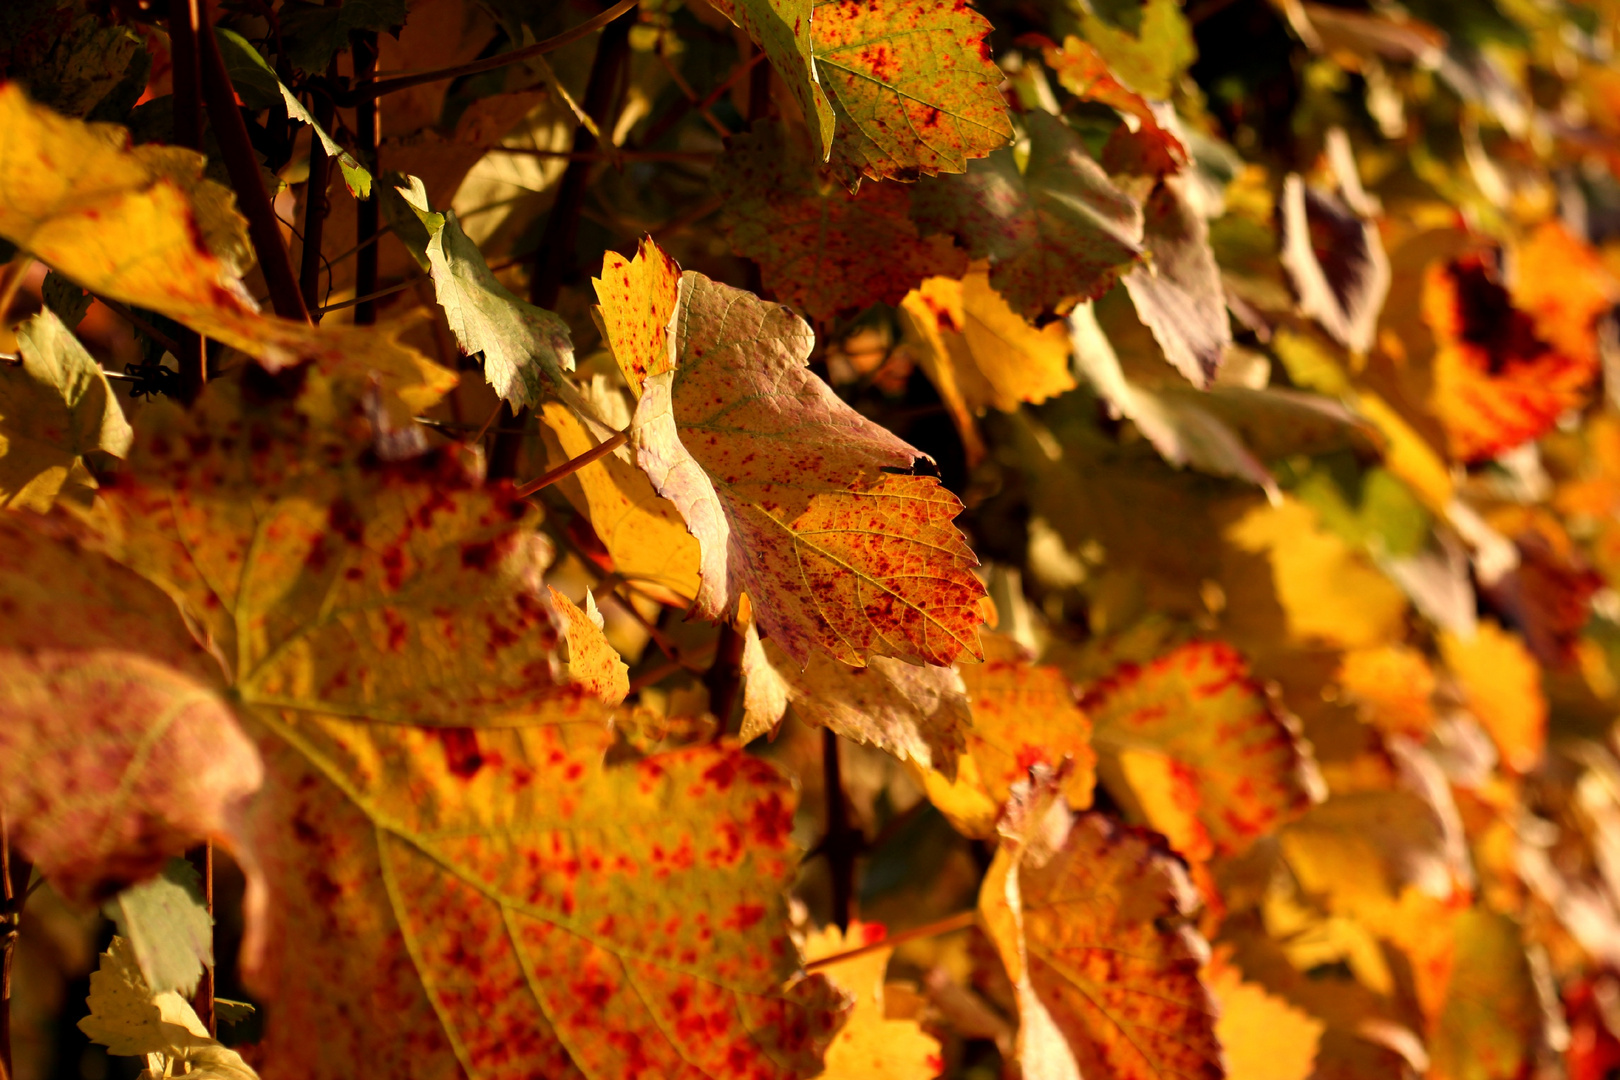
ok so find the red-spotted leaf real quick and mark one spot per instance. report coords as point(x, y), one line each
point(1178, 294)
point(824, 249)
point(500, 904)
point(1195, 746)
point(1095, 937)
point(798, 500)
point(783, 29)
point(636, 302)
point(1055, 231)
point(912, 85)
point(117, 749)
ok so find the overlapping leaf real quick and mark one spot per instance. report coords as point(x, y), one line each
point(1093, 931)
point(871, 1046)
point(795, 498)
point(1334, 255)
point(1055, 231)
point(784, 29)
point(821, 247)
point(912, 86)
point(55, 407)
point(1199, 747)
point(637, 300)
point(1178, 294)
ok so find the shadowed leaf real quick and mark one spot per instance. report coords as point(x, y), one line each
point(1178, 293)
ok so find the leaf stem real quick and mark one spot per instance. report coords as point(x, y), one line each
point(379, 294)
point(723, 680)
point(203, 859)
point(573, 465)
point(140, 324)
point(243, 167)
point(374, 87)
point(948, 925)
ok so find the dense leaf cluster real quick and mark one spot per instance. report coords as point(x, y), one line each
point(1170, 454)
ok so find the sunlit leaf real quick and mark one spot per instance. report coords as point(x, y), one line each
point(636, 301)
point(55, 407)
point(1262, 1036)
point(795, 498)
point(165, 921)
point(1495, 1023)
point(912, 86)
point(1235, 764)
point(1055, 231)
point(592, 662)
point(1501, 682)
point(1085, 74)
point(784, 29)
point(870, 1046)
point(1150, 56)
point(821, 247)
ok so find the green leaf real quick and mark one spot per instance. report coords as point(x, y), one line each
point(525, 347)
point(247, 67)
point(231, 1012)
point(166, 922)
point(784, 28)
point(55, 407)
point(1150, 56)
point(912, 85)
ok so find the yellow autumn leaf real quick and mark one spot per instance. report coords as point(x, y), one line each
point(1502, 683)
point(637, 300)
point(1392, 685)
point(592, 662)
point(1264, 1037)
point(870, 1046)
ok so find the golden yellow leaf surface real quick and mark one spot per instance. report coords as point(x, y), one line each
point(592, 662)
point(1392, 685)
point(1502, 684)
point(870, 1046)
point(1263, 1036)
point(635, 302)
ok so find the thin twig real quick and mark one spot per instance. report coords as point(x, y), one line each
point(361, 246)
point(391, 290)
point(203, 1001)
point(243, 167)
point(573, 465)
point(598, 155)
point(446, 425)
point(140, 324)
point(948, 925)
point(317, 203)
point(681, 107)
point(685, 87)
point(376, 87)
point(723, 680)
point(686, 661)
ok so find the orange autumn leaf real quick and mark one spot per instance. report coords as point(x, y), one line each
point(870, 1046)
point(1501, 683)
point(592, 662)
point(796, 499)
point(1392, 685)
point(1513, 356)
point(1263, 1036)
point(635, 302)
point(1235, 764)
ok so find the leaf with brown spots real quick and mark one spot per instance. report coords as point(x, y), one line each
point(55, 407)
point(1091, 921)
point(824, 249)
point(784, 29)
point(141, 225)
point(798, 500)
point(1514, 356)
point(117, 749)
point(592, 662)
point(1056, 231)
point(636, 302)
point(1023, 715)
point(1193, 745)
point(912, 85)
point(439, 856)
point(917, 712)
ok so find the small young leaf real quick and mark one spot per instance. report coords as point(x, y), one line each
point(55, 407)
point(913, 87)
point(821, 247)
point(525, 348)
point(166, 922)
point(1055, 231)
point(592, 662)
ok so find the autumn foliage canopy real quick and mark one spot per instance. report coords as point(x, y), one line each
point(456, 454)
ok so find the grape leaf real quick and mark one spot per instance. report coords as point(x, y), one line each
point(1094, 934)
point(1178, 293)
point(110, 759)
point(824, 249)
point(1083, 72)
point(1238, 764)
point(918, 713)
point(979, 352)
point(1501, 682)
point(871, 1046)
point(795, 498)
point(142, 226)
point(315, 33)
point(1262, 1036)
point(785, 30)
point(637, 301)
point(485, 884)
point(1055, 231)
point(1023, 714)
point(1334, 258)
point(592, 662)
point(1149, 57)
point(912, 86)
point(644, 534)
point(1496, 1021)
point(1511, 361)
point(525, 348)
point(166, 922)
point(55, 407)
point(240, 55)
point(1393, 685)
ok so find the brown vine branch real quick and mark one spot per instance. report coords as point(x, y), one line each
point(375, 87)
point(573, 465)
point(723, 680)
point(842, 842)
point(231, 131)
point(203, 1001)
point(368, 214)
point(948, 925)
point(317, 204)
point(140, 324)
